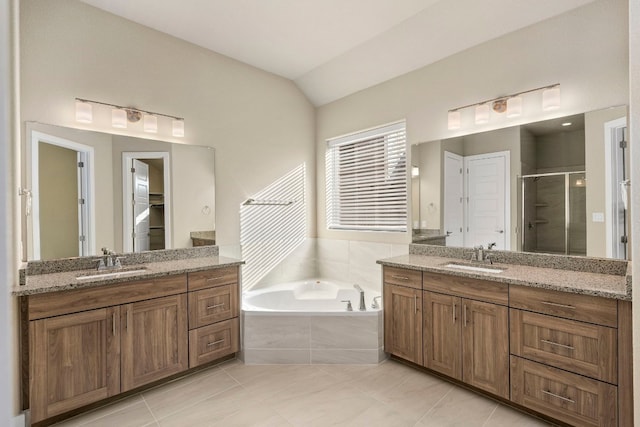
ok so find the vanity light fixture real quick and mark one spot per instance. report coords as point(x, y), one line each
point(454, 120)
point(84, 111)
point(482, 114)
point(514, 107)
point(150, 123)
point(551, 98)
point(511, 104)
point(178, 127)
point(121, 116)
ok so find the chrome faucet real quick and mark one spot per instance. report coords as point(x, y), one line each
point(375, 304)
point(363, 306)
point(110, 260)
point(478, 253)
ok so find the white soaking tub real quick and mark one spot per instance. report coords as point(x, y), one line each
point(306, 322)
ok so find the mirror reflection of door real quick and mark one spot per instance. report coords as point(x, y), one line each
point(487, 207)
point(453, 199)
point(146, 215)
point(141, 237)
point(61, 207)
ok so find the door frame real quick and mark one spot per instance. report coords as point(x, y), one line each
point(86, 188)
point(612, 187)
point(127, 184)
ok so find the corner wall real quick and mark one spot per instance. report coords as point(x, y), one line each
point(260, 124)
point(585, 50)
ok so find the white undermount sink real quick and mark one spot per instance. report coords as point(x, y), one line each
point(111, 274)
point(476, 268)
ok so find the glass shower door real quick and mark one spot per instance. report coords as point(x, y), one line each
point(554, 213)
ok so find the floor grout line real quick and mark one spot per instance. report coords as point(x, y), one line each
point(490, 415)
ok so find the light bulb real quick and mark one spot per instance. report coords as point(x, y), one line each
point(551, 98)
point(178, 128)
point(119, 118)
point(150, 123)
point(84, 112)
point(482, 114)
point(514, 107)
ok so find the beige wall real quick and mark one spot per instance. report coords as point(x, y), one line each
point(261, 125)
point(594, 166)
point(591, 66)
point(192, 191)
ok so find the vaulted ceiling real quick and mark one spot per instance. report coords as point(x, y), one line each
point(333, 48)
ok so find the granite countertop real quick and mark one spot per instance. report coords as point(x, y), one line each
point(66, 280)
point(603, 285)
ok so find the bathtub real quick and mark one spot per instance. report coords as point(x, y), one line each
point(306, 322)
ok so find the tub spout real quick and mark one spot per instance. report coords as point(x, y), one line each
point(363, 306)
point(349, 307)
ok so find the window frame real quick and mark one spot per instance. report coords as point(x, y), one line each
point(367, 180)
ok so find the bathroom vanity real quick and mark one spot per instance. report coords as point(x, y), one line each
point(88, 336)
point(555, 342)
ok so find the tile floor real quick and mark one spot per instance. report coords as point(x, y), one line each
point(235, 394)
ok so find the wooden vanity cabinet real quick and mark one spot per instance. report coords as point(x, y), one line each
point(75, 360)
point(214, 326)
point(120, 341)
point(154, 340)
point(567, 356)
point(403, 313)
point(466, 335)
point(563, 355)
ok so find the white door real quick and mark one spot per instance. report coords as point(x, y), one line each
point(453, 199)
point(487, 186)
point(140, 173)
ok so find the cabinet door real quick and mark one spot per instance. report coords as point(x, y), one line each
point(154, 340)
point(485, 346)
point(75, 360)
point(403, 322)
point(442, 333)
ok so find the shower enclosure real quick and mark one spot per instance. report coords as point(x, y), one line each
point(554, 218)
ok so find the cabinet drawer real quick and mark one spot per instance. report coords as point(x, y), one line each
point(568, 397)
point(579, 347)
point(213, 342)
point(213, 277)
point(212, 305)
point(57, 303)
point(403, 277)
point(587, 308)
point(481, 290)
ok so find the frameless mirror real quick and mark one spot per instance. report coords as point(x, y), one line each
point(87, 190)
point(557, 186)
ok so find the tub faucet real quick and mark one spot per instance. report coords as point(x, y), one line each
point(348, 301)
point(363, 306)
point(375, 304)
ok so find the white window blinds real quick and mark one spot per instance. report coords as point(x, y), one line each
point(367, 180)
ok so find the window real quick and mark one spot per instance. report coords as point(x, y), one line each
point(367, 180)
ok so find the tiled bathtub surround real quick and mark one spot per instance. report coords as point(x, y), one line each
point(344, 260)
point(281, 338)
